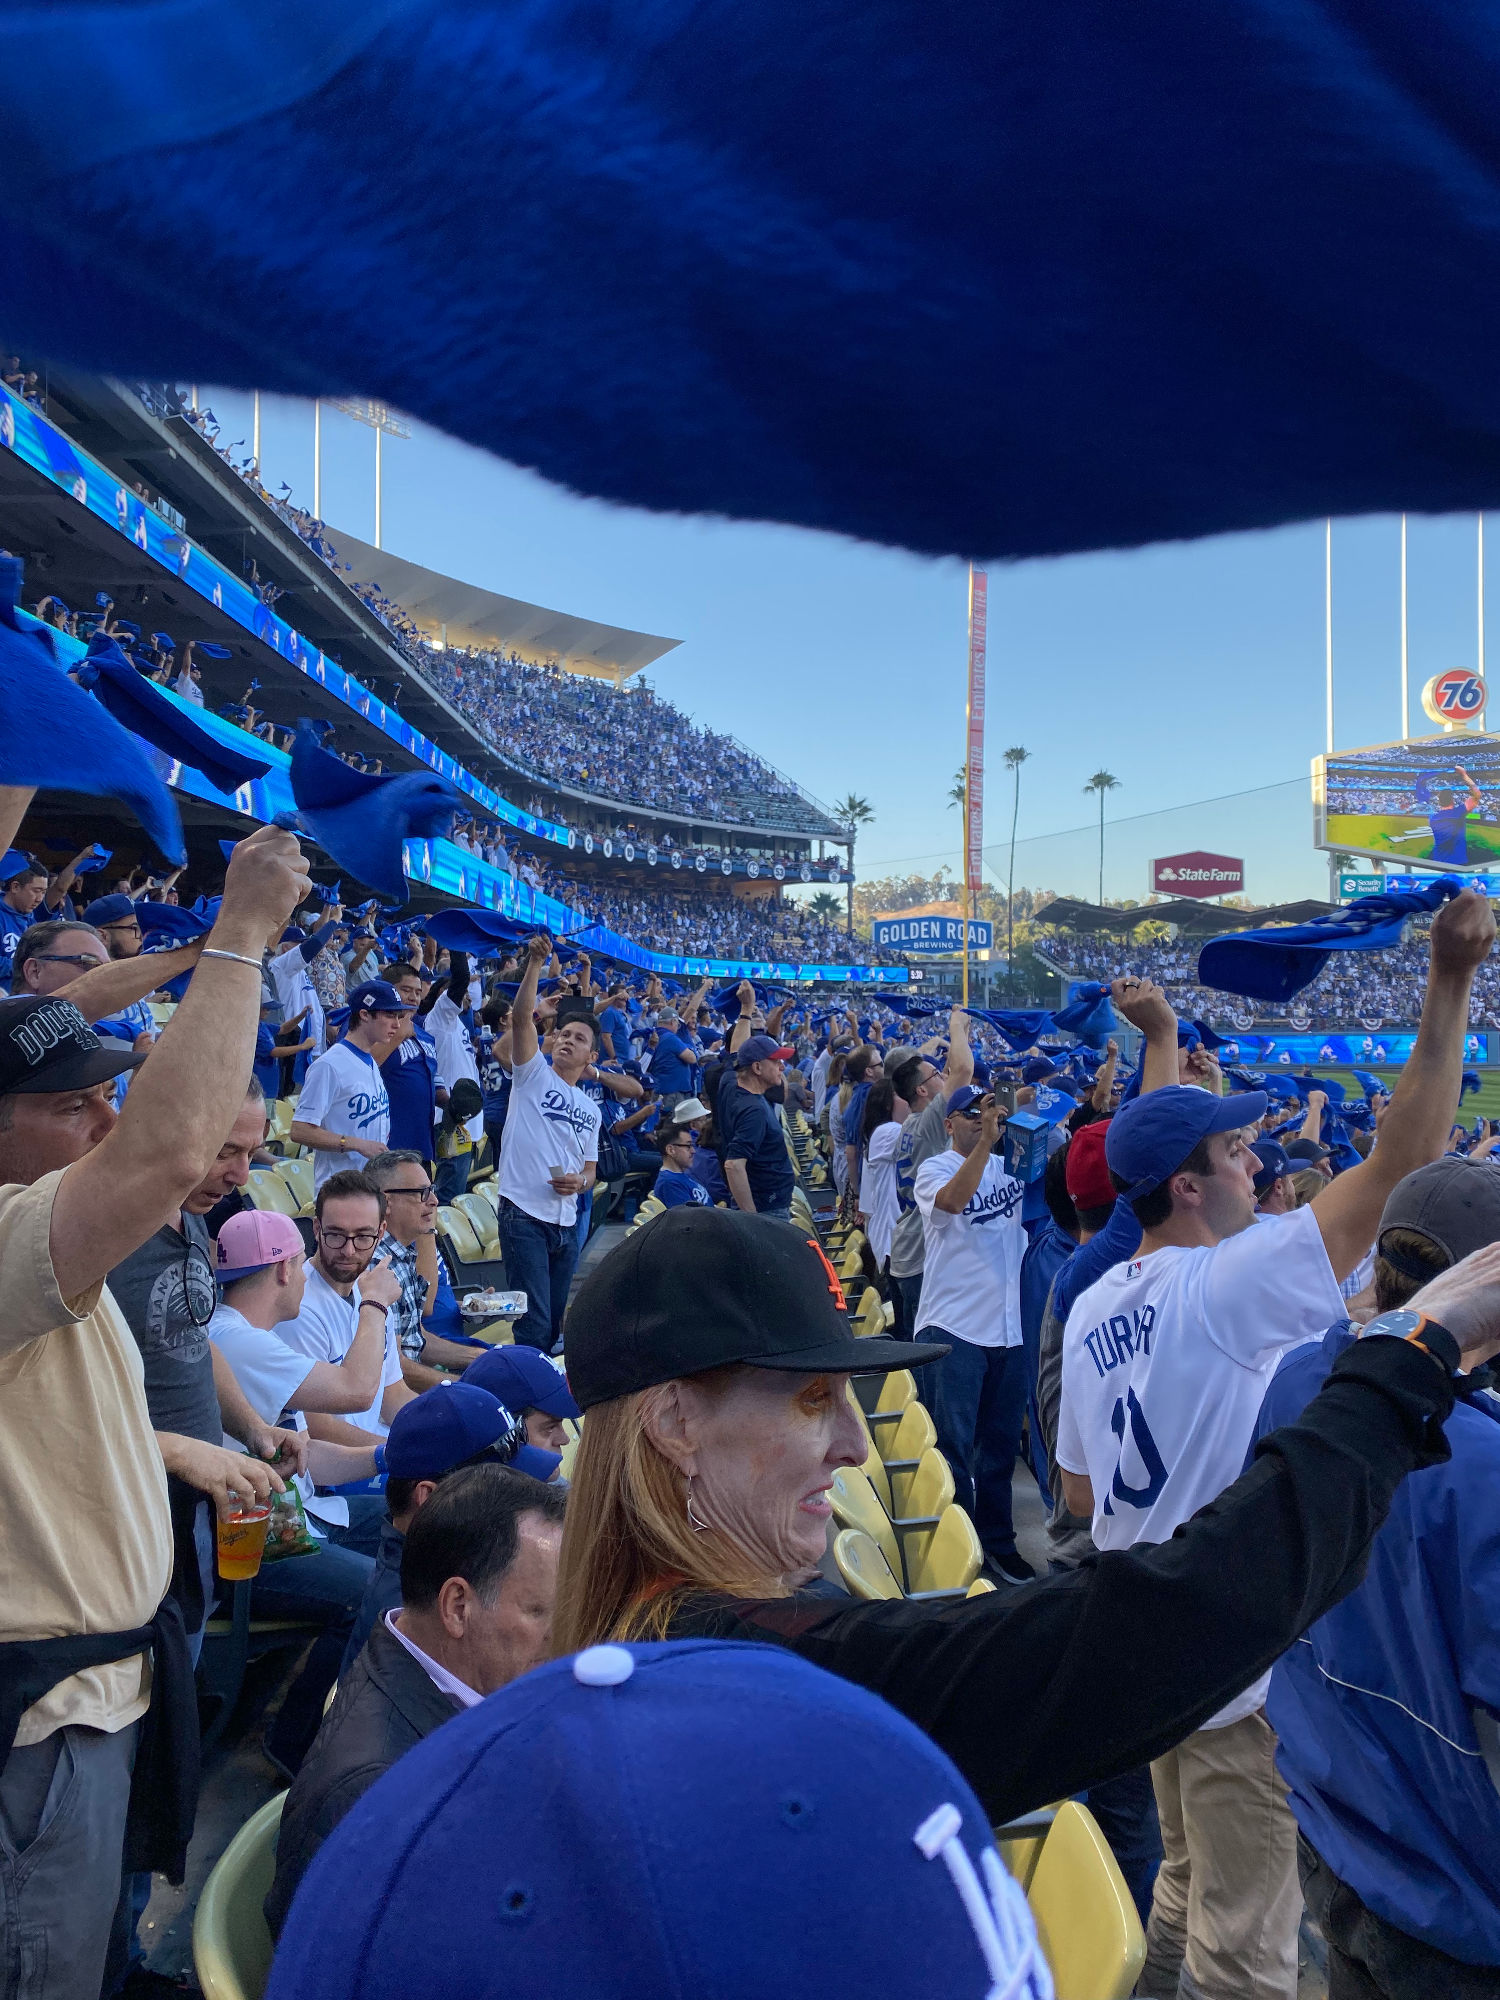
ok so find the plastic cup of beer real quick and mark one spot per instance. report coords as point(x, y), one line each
point(242, 1542)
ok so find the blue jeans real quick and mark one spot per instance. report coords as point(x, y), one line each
point(327, 1586)
point(776, 1214)
point(540, 1259)
point(452, 1176)
point(979, 1400)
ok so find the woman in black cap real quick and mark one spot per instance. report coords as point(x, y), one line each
point(711, 1354)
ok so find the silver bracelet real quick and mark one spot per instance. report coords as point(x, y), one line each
point(238, 957)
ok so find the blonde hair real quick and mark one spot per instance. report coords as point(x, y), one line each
point(629, 1553)
point(1307, 1186)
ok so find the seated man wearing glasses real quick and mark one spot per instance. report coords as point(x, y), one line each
point(349, 1221)
point(409, 1248)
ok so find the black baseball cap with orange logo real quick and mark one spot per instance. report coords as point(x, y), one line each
point(699, 1288)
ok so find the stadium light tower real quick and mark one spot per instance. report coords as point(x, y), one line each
point(380, 420)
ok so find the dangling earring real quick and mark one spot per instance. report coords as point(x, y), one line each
point(698, 1526)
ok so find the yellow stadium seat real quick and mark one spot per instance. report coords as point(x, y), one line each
point(943, 1560)
point(919, 1496)
point(980, 1587)
point(903, 1444)
point(852, 1261)
point(279, 1112)
point(488, 1191)
point(1085, 1919)
point(856, 1504)
point(484, 1219)
point(874, 1470)
point(455, 1228)
point(862, 1566)
point(897, 1392)
point(298, 1176)
point(231, 1939)
point(266, 1189)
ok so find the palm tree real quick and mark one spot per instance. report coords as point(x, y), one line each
point(958, 791)
point(824, 906)
point(1101, 782)
point(1015, 757)
point(853, 812)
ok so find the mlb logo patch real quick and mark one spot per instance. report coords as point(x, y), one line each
point(1133, 1270)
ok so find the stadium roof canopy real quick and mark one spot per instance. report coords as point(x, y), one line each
point(1207, 919)
point(462, 614)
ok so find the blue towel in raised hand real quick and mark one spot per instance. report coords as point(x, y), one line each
point(1088, 1015)
point(1275, 963)
point(1020, 1026)
point(364, 819)
point(150, 713)
point(1107, 246)
point(57, 738)
point(168, 924)
point(475, 931)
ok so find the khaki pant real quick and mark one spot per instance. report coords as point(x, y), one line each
point(1226, 1907)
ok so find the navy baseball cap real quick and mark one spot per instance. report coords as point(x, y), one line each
point(1037, 1070)
point(1273, 1164)
point(379, 996)
point(1307, 1152)
point(524, 1379)
point(1151, 1136)
point(620, 1884)
point(47, 1046)
point(110, 910)
point(966, 1095)
point(448, 1426)
point(760, 1048)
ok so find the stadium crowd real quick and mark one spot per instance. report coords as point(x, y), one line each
point(1383, 991)
point(191, 1370)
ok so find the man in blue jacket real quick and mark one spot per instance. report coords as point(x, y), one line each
point(1388, 1708)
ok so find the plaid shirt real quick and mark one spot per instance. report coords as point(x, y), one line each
point(402, 1259)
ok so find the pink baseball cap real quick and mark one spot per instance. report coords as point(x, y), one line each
point(254, 1239)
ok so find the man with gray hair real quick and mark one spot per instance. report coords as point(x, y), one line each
point(674, 1060)
point(409, 1247)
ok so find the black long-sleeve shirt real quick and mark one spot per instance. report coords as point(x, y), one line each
point(1040, 1692)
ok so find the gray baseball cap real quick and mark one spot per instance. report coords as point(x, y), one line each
point(1453, 1202)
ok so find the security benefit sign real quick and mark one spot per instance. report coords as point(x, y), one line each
point(935, 934)
point(1197, 874)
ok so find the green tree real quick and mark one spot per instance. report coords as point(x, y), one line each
point(852, 812)
point(824, 906)
point(1102, 782)
point(958, 791)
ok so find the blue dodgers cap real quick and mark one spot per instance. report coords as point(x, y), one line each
point(110, 910)
point(524, 1379)
point(760, 1048)
point(1151, 1136)
point(1274, 1163)
point(622, 1879)
point(966, 1094)
point(379, 996)
point(450, 1425)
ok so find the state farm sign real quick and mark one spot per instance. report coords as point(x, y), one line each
point(1197, 874)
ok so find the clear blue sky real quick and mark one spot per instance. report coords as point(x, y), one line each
point(1194, 671)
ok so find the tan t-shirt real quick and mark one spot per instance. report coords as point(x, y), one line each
point(85, 1531)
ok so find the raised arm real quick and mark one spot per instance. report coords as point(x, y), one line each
point(1312, 1124)
point(960, 1065)
point(15, 800)
point(740, 1032)
point(961, 1190)
point(1146, 1007)
point(1420, 1114)
point(522, 1025)
point(187, 1096)
point(105, 989)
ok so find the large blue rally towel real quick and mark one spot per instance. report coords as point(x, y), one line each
point(364, 819)
point(1275, 963)
point(149, 712)
point(1177, 268)
point(55, 737)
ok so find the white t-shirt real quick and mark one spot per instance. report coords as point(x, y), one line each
point(877, 1188)
point(270, 1373)
point(324, 1330)
point(1165, 1363)
point(343, 1092)
point(294, 990)
point(455, 1054)
point(548, 1123)
point(971, 1262)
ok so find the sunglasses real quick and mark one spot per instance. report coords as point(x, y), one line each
point(973, 1111)
point(67, 958)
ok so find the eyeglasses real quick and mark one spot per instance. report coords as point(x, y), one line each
point(336, 1239)
point(68, 958)
point(974, 1111)
point(125, 924)
point(426, 1192)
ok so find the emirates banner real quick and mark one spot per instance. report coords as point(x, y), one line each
point(974, 767)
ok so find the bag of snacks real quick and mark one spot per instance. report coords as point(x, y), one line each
point(288, 1534)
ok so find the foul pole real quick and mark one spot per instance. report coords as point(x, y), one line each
point(974, 756)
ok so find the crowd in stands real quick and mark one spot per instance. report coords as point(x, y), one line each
point(191, 1371)
point(561, 727)
point(1382, 991)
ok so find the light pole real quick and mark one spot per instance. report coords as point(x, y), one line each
point(380, 420)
